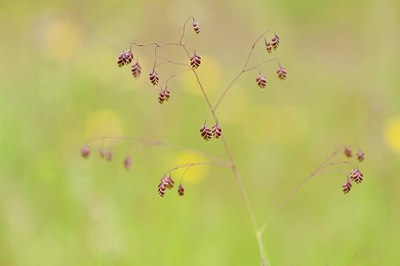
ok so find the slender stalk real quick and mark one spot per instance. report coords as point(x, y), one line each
point(238, 179)
point(244, 69)
point(231, 161)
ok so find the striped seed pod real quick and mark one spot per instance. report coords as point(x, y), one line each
point(281, 73)
point(165, 183)
point(121, 61)
point(268, 46)
point(216, 131)
point(261, 81)
point(206, 133)
point(129, 57)
point(181, 190)
point(346, 187)
point(195, 61)
point(275, 42)
point(356, 176)
point(154, 78)
point(124, 58)
point(136, 70)
point(196, 27)
point(164, 95)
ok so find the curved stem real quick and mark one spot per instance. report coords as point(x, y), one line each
point(188, 165)
point(244, 69)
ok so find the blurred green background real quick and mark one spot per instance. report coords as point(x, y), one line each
point(60, 87)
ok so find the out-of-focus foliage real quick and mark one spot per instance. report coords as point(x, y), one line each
point(60, 86)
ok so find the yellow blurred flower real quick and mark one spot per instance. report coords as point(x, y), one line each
point(61, 39)
point(392, 133)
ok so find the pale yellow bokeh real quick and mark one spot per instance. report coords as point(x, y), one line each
point(61, 39)
point(196, 173)
point(279, 124)
point(104, 123)
point(392, 133)
point(210, 72)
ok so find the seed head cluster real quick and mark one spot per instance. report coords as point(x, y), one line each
point(268, 46)
point(165, 183)
point(355, 174)
point(125, 58)
point(107, 155)
point(271, 45)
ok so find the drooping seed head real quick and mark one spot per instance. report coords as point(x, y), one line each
point(346, 187)
point(195, 61)
point(281, 73)
point(170, 182)
point(196, 26)
point(206, 133)
point(356, 176)
point(127, 162)
point(275, 42)
point(165, 183)
point(268, 46)
point(121, 61)
point(347, 152)
point(136, 70)
point(85, 151)
point(162, 187)
point(216, 131)
point(261, 81)
point(128, 57)
point(360, 156)
point(124, 58)
point(164, 95)
point(181, 190)
point(154, 78)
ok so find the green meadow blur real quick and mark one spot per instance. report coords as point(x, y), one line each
point(60, 88)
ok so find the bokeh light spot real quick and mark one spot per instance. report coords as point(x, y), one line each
point(61, 39)
point(392, 133)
